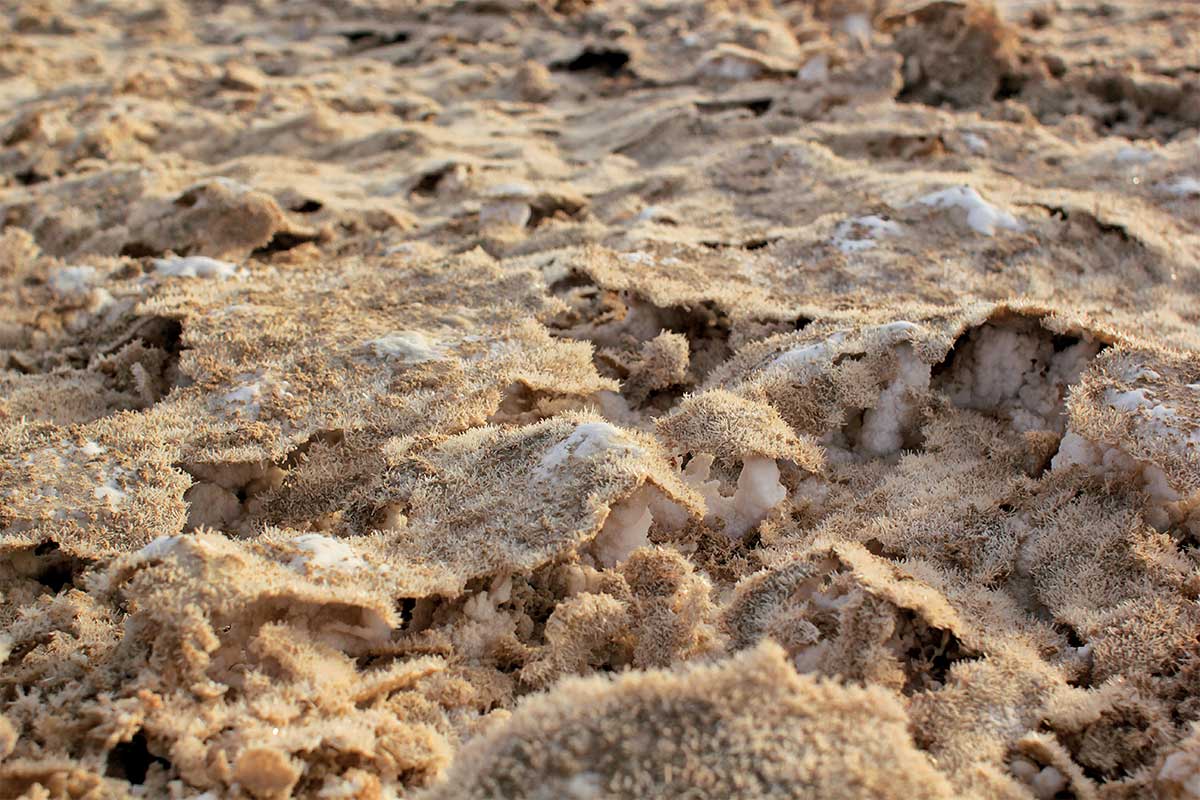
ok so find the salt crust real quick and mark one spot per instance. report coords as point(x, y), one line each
point(195, 267)
point(982, 216)
point(971, 525)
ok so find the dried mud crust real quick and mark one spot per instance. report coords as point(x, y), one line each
point(599, 399)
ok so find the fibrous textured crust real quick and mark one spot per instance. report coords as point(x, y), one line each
point(555, 398)
point(746, 725)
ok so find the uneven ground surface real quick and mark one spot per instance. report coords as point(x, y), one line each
point(517, 398)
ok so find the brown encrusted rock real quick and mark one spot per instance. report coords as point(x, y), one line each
point(219, 218)
point(958, 53)
point(266, 773)
point(534, 82)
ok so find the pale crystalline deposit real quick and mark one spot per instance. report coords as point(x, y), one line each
point(982, 217)
point(195, 267)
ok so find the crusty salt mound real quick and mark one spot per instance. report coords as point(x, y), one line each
point(597, 399)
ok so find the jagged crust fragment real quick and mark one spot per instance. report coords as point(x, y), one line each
point(535, 493)
point(708, 727)
point(732, 428)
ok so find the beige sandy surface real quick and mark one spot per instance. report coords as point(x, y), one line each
point(568, 399)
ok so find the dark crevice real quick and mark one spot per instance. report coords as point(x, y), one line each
point(606, 61)
point(141, 250)
point(132, 760)
point(757, 106)
point(56, 570)
point(852, 427)
point(281, 241)
point(665, 399)
point(1061, 342)
point(164, 333)
point(1073, 637)
point(1119, 230)
point(934, 651)
point(554, 208)
point(139, 359)
point(1094, 775)
point(57, 575)
point(45, 548)
point(1040, 18)
point(427, 184)
point(363, 40)
point(707, 329)
point(877, 548)
point(29, 178)
point(573, 280)
point(748, 244)
point(308, 207)
point(405, 608)
point(1010, 86)
point(26, 646)
point(518, 403)
point(947, 364)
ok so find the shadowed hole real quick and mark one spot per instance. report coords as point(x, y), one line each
point(131, 760)
point(606, 61)
point(281, 241)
